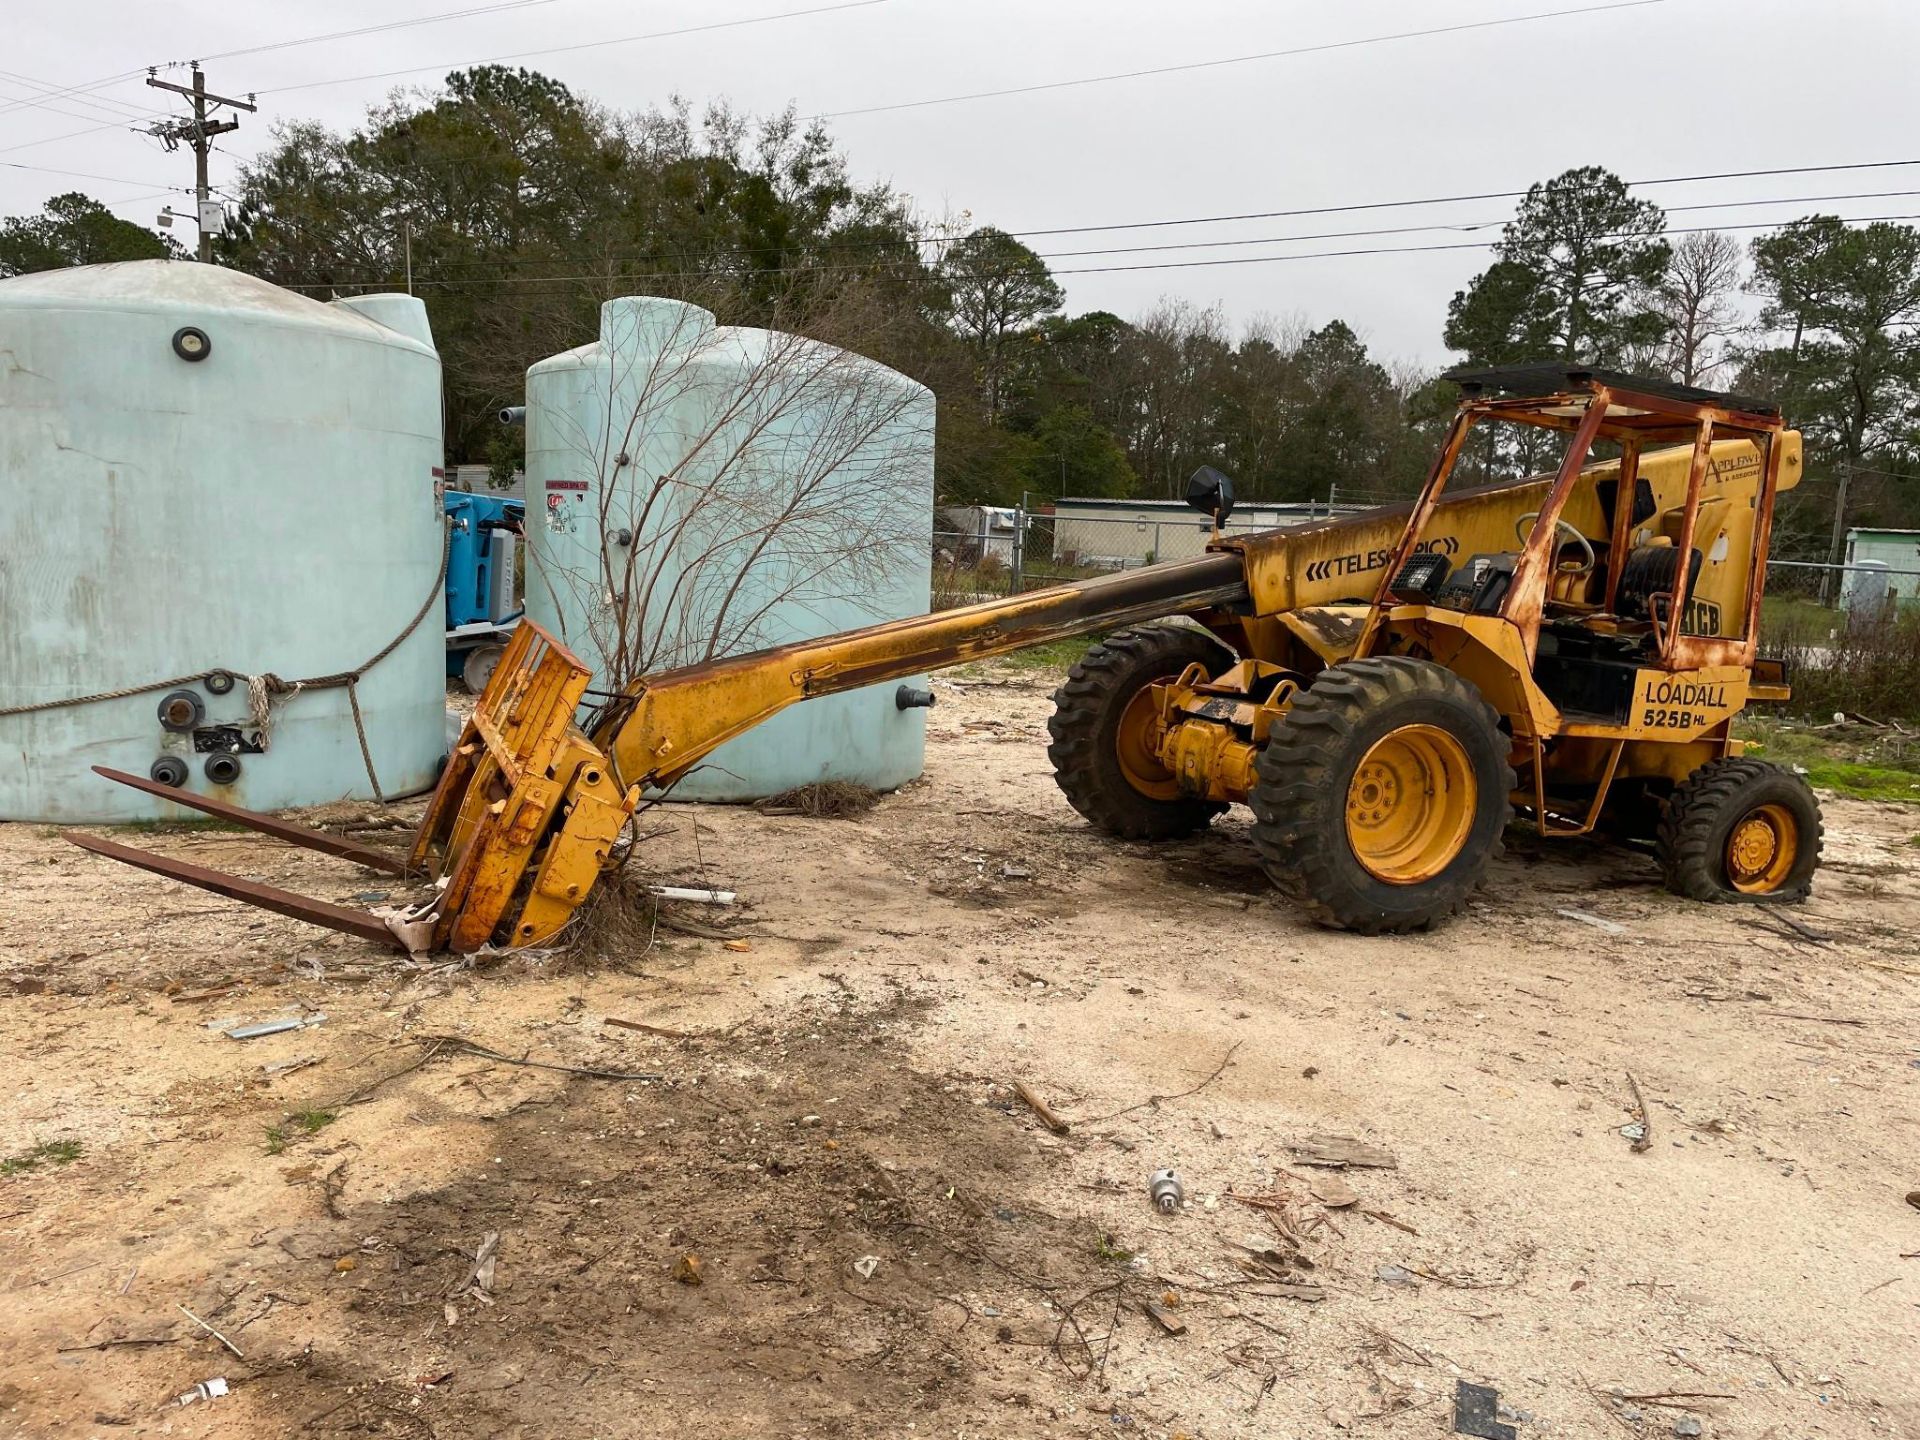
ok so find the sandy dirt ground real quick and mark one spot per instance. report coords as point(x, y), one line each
point(885, 1238)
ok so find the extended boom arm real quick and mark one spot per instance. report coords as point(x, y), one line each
point(670, 721)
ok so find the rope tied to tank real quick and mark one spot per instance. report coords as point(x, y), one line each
point(267, 689)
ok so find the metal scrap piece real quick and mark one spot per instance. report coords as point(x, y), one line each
point(1474, 1409)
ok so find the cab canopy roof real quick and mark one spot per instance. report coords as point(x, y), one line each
point(1641, 405)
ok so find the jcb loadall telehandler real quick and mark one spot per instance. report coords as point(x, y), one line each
point(1384, 690)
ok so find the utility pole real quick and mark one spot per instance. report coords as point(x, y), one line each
point(1836, 550)
point(198, 132)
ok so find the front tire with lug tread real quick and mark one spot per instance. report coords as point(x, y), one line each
point(1382, 795)
point(1101, 735)
point(1739, 830)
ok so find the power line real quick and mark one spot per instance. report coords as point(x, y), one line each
point(470, 13)
point(846, 247)
point(1468, 225)
point(1416, 249)
point(85, 93)
point(1240, 59)
point(136, 199)
point(42, 98)
point(89, 87)
point(454, 282)
point(453, 65)
point(76, 174)
point(601, 44)
point(127, 124)
point(1452, 199)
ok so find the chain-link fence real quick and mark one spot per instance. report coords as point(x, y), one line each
point(1009, 552)
point(1805, 599)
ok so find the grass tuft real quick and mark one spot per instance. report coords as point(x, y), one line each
point(309, 1122)
point(47, 1152)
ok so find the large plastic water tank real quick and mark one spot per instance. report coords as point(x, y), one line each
point(696, 490)
point(201, 471)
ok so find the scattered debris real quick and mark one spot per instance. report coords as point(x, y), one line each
point(345, 1265)
point(280, 1068)
point(216, 1335)
point(1385, 1219)
point(1282, 1290)
point(1336, 1151)
point(1015, 872)
point(1767, 917)
point(736, 945)
point(1040, 1107)
point(697, 897)
point(1913, 1198)
point(867, 1266)
point(1474, 1410)
point(1640, 1132)
point(479, 1278)
point(1802, 1015)
point(1610, 927)
point(1172, 1325)
point(1333, 1192)
point(1686, 1425)
point(275, 1027)
point(1152, 1102)
point(686, 1270)
point(1394, 1274)
point(646, 1029)
point(1166, 1191)
point(205, 1390)
point(824, 799)
point(460, 1045)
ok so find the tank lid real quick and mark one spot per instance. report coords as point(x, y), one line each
point(188, 285)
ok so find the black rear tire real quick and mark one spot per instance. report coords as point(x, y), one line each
point(1307, 772)
point(1698, 831)
point(1086, 722)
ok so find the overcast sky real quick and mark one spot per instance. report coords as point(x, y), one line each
point(1660, 89)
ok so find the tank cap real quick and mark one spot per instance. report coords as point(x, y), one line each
point(218, 682)
point(169, 770)
point(190, 342)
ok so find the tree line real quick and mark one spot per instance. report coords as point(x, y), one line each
point(518, 206)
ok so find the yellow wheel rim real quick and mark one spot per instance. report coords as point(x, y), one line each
point(1136, 744)
point(1761, 849)
point(1411, 804)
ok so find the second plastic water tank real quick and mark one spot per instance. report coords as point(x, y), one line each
point(697, 490)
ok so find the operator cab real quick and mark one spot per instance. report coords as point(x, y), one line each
point(1597, 584)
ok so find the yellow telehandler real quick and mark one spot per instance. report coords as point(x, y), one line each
point(1384, 690)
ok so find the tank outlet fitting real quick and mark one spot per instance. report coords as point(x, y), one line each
point(912, 697)
point(181, 711)
point(1166, 1191)
point(513, 414)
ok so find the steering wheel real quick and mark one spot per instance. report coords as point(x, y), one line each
point(1582, 566)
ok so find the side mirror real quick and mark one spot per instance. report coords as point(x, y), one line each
point(1211, 493)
